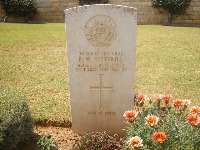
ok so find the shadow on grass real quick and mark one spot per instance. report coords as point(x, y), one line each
point(47, 122)
point(30, 144)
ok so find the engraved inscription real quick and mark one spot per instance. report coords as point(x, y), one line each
point(102, 113)
point(100, 61)
point(100, 30)
point(101, 88)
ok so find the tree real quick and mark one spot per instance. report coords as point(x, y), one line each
point(173, 8)
point(19, 8)
point(90, 2)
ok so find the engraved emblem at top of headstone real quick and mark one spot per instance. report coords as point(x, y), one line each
point(100, 31)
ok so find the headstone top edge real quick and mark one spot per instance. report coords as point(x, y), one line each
point(132, 10)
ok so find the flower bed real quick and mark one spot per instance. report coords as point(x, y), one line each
point(163, 124)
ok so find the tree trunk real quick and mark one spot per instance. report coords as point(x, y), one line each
point(5, 18)
point(169, 19)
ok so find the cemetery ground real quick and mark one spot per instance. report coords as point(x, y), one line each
point(33, 61)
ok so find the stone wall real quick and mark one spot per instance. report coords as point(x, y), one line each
point(149, 15)
point(48, 11)
point(53, 11)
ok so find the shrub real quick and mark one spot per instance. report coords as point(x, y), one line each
point(89, 2)
point(15, 119)
point(173, 8)
point(19, 8)
point(46, 143)
point(100, 141)
point(163, 125)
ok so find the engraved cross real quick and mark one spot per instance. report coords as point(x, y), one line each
point(101, 88)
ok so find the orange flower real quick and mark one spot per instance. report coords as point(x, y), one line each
point(178, 102)
point(159, 97)
point(193, 119)
point(159, 137)
point(130, 115)
point(166, 98)
point(195, 109)
point(151, 120)
point(141, 98)
point(135, 142)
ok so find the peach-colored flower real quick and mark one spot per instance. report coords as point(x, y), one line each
point(195, 109)
point(151, 120)
point(130, 115)
point(135, 142)
point(141, 98)
point(159, 137)
point(186, 102)
point(193, 119)
point(178, 102)
point(159, 97)
point(166, 98)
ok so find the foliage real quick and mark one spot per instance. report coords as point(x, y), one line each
point(163, 126)
point(46, 143)
point(86, 2)
point(15, 119)
point(99, 140)
point(19, 8)
point(173, 8)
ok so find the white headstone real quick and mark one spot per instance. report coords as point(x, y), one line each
point(101, 45)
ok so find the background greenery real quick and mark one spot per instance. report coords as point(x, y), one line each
point(33, 60)
point(19, 8)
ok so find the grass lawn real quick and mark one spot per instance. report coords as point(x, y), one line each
point(33, 60)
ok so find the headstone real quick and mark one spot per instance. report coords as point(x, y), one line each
point(101, 43)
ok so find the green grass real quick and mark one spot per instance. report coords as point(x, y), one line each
point(168, 61)
point(33, 60)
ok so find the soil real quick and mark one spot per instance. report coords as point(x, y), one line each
point(62, 136)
